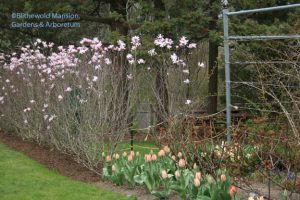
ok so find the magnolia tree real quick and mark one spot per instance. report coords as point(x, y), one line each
point(79, 98)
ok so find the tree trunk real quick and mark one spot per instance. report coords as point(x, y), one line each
point(212, 106)
point(162, 98)
point(213, 78)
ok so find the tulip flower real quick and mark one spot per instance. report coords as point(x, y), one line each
point(132, 153)
point(164, 174)
point(108, 158)
point(177, 174)
point(173, 158)
point(232, 190)
point(130, 157)
point(153, 157)
point(161, 153)
point(223, 177)
point(166, 149)
point(116, 156)
point(196, 182)
point(181, 163)
point(113, 168)
point(179, 155)
point(148, 157)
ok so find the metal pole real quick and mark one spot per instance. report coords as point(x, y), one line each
point(227, 74)
point(264, 9)
point(264, 37)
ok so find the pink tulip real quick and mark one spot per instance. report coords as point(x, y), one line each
point(132, 153)
point(148, 157)
point(161, 153)
point(223, 177)
point(164, 174)
point(108, 158)
point(113, 168)
point(153, 157)
point(182, 163)
point(166, 149)
point(196, 182)
point(130, 157)
point(177, 174)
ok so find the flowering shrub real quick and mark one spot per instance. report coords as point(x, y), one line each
point(163, 173)
point(80, 97)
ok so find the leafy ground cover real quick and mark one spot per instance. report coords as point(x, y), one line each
point(23, 178)
point(141, 147)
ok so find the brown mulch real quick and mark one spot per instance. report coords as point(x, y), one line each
point(52, 159)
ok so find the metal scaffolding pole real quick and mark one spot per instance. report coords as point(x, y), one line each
point(227, 75)
point(264, 37)
point(227, 38)
point(264, 9)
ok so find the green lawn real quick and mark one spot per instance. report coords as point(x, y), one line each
point(22, 178)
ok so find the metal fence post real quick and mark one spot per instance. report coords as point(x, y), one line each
point(227, 74)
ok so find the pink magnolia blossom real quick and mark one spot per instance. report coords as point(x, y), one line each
point(192, 45)
point(141, 61)
point(186, 71)
point(69, 89)
point(187, 81)
point(95, 78)
point(122, 45)
point(188, 102)
point(107, 61)
point(135, 41)
point(183, 41)
point(152, 52)
point(60, 97)
point(174, 58)
point(201, 65)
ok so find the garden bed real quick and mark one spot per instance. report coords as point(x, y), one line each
point(65, 165)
